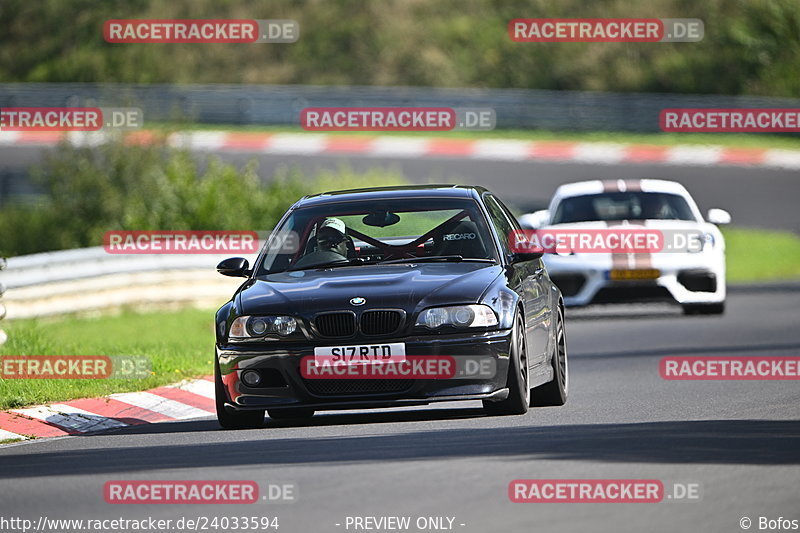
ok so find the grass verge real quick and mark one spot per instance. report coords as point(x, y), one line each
point(759, 255)
point(179, 345)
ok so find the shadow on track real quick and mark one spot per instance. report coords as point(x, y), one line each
point(745, 442)
point(738, 349)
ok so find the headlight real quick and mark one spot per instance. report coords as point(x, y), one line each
point(248, 327)
point(706, 244)
point(459, 316)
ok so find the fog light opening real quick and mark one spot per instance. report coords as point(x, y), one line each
point(251, 378)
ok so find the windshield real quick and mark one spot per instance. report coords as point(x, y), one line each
point(359, 233)
point(622, 206)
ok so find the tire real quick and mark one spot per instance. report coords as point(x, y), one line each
point(290, 413)
point(704, 309)
point(554, 393)
point(232, 420)
point(519, 393)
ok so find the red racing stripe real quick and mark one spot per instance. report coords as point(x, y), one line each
point(353, 144)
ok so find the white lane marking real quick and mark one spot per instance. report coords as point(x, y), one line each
point(398, 146)
point(502, 149)
point(7, 435)
point(70, 417)
point(694, 155)
point(598, 153)
point(9, 137)
point(164, 406)
point(296, 143)
point(782, 158)
point(87, 138)
point(210, 140)
point(201, 387)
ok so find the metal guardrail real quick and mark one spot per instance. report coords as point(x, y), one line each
point(281, 104)
point(90, 279)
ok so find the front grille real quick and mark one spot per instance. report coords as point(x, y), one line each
point(349, 387)
point(336, 324)
point(380, 322)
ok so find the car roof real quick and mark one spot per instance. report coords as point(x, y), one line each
point(581, 188)
point(388, 193)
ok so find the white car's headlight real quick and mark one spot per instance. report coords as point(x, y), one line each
point(459, 316)
point(248, 327)
point(707, 244)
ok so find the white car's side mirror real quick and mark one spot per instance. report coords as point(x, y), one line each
point(535, 220)
point(719, 217)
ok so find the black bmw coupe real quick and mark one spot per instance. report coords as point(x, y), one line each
point(389, 297)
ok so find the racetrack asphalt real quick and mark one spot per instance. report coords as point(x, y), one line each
point(739, 440)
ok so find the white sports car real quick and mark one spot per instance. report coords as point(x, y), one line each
point(693, 276)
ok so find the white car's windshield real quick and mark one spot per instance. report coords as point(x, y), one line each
point(622, 206)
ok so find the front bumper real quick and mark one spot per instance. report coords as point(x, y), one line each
point(683, 279)
point(283, 386)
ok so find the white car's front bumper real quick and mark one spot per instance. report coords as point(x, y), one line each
point(584, 278)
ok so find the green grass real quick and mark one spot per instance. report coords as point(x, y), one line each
point(758, 255)
point(740, 140)
point(179, 345)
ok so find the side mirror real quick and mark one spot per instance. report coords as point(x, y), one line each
point(235, 267)
point(719, 217)
point(535, 220)
point(520, 257)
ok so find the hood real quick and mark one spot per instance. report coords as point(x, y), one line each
point(402, 286)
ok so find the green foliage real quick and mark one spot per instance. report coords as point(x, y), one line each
point(123, 186)
point(750, 46)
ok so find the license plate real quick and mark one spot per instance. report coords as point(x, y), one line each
point(360, 354)
point(633, 274)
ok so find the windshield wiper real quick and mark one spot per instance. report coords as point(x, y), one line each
point(334, 264)
point(432, 258)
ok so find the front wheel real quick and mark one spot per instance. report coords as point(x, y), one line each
point(232, 420)
point(519, 392)
point(554, 392)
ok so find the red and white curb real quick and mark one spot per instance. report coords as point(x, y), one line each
point(417, 147)
point(182, 401)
